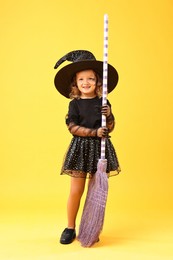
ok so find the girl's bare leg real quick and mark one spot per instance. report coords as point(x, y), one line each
point(76, 191)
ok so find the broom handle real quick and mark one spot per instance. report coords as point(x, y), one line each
point(105, 77)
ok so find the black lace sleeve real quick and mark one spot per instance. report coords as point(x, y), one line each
point(73, 113)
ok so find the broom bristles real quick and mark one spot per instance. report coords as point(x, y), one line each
point(94, 209)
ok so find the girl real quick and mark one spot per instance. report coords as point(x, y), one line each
point(82, 82)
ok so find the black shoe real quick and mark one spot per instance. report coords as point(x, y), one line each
point(67, 236)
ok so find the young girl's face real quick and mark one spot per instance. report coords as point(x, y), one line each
point(86, 83)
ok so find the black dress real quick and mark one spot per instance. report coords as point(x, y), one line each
point(84, 152)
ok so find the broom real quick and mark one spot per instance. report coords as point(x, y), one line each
point(93, 214)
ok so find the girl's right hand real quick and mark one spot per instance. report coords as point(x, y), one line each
point(102, 132)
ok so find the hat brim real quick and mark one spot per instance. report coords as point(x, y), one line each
point(64, 76)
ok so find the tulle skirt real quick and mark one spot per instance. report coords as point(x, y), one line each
point(83, 154)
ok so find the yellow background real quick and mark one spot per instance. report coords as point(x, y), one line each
point(34, 138)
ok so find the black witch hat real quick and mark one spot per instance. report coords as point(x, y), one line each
point(81, 60)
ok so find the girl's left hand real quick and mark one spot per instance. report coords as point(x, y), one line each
point(106, 110)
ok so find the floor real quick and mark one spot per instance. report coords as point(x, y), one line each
point(34, 235)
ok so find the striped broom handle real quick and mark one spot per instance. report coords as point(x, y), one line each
point(105, 77)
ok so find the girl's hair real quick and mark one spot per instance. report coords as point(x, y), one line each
point(75, 92)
